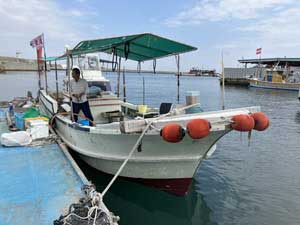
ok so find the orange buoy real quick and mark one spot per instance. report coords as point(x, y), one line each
point(172, 133)
point(242, 123)
point(261, 121)
point(198, 128)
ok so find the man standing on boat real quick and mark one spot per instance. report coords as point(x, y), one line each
point(79, 89)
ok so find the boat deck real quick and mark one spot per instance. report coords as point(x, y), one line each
point(37, 183)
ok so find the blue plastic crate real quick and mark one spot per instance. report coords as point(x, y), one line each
point(19, 121)
point(2, 113)
point(84, 122)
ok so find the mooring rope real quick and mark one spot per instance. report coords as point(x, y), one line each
point(138, 142)
point(89, 210)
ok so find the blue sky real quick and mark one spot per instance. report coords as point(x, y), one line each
point(233, 26)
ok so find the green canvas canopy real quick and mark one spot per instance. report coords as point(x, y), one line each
point(137, 47)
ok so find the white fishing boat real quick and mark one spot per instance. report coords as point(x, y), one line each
point(170, 144)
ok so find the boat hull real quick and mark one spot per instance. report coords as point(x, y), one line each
point(165, 166)
point(154, 159)
point(156, 163)
point(273, 85)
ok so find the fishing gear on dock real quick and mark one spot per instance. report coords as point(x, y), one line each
point(90, 210)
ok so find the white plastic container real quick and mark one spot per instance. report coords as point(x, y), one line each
point(19, 138)
point(38, 129)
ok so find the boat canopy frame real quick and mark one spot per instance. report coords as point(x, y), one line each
point(136, 47)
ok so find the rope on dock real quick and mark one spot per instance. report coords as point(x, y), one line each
point(149, 124)
point(89, 210)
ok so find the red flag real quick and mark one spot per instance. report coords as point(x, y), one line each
point(37, 42)
point(258, 51)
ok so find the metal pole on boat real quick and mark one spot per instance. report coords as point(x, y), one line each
point(119, 74)
point(143, 90)
point(38, 67)
point(124, 85)
point(223, 84)
point(56, 81)
point(139, 67)
point(45, 63)
point(177, 58)
point(69, 82)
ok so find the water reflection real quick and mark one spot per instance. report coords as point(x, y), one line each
point(240, 184)
point(138, 204)
point(297, 117)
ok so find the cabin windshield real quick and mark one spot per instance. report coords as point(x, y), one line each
point(103, 85)
point(88, 62)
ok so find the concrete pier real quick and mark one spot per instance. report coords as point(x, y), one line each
point(235, 81)
point(238, 76)
point(38, 183)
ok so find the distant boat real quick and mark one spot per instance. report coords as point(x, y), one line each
point(275, 73)
point(276, 79)
point(202, 72)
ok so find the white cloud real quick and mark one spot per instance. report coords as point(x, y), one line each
point(22, 20)
point(219, 10)
point(276, 34)
point(270, 24)
point(75, 12)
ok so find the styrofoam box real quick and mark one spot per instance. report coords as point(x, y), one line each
point(38, 129)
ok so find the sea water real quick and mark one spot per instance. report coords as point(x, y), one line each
point(238, 184)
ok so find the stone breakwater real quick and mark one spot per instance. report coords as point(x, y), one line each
point(20, 64)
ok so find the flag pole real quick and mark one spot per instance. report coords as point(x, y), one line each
point(258, 71)
point(259, 63)
point(38, 68)
point(46, 79)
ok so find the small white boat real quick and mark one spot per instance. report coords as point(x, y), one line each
point(158, 163)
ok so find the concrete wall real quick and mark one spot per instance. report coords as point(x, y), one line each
point(241, 72)
point(18, 64)
point(11, 63)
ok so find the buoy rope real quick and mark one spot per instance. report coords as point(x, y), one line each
point(149, 123)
